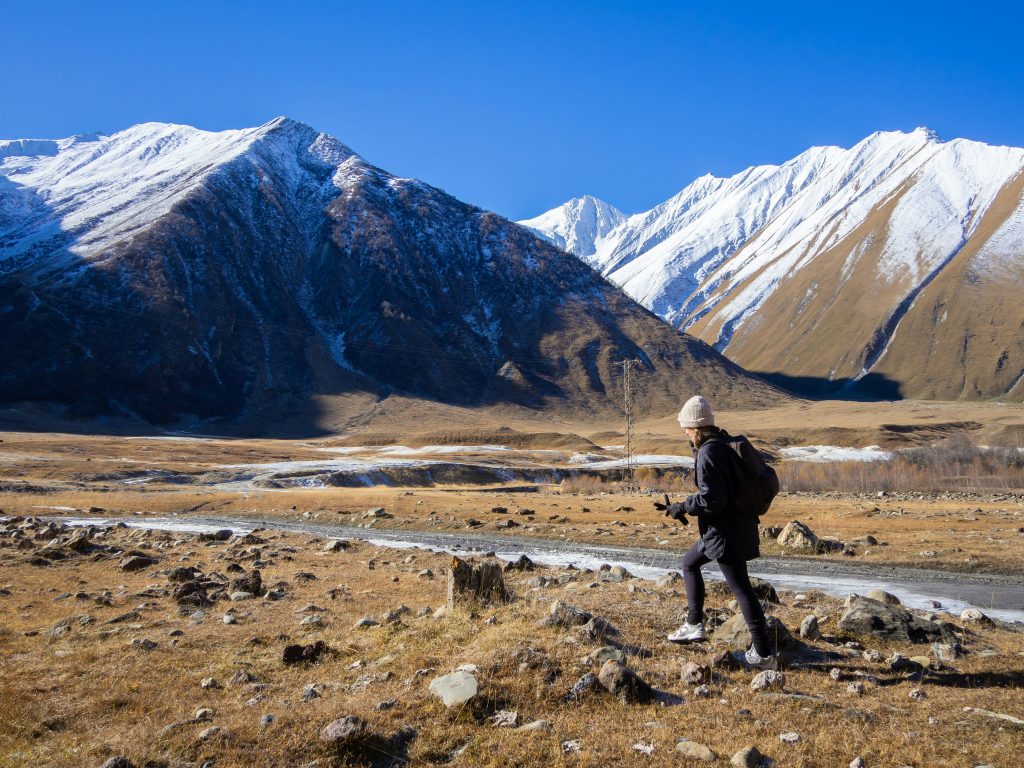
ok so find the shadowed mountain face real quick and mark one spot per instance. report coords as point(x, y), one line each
point(174, 273)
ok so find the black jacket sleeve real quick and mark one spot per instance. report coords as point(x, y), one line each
point(712, 475)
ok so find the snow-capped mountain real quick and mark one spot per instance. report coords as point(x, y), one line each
point(174, 272)
point(576, 226)
point(898, 262)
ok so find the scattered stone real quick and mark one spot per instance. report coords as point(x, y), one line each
point(455, 689)
point(377, 513)
point(872, 655)
point(974, 616)
point(797, 535)
point(572, 747)
point(241, 677)
point(522, 563)
point(505, 718)
point(343, 731)
point(702, 692)
point(606, 652)
point(916, 694)
point(537, 726)
point(266, 720)
point(748, 757)
point(694, 751)
point(669, 579)
point(884, 597)
point(617, 574)
point(365, 623)
point(769, 680)
point(889, 622)
point(856, 688)
point(209, 733)
point(585, 684)
point(385, 705)
point(136, 563)
point(809, 629)
point(620, 681)
point(565, 615)
point(304, 654)
point(734, 634)
point(789, 738)
point(144, 644)
point(119, 762)
point(693, 673)
point(947, 651)
point(337, 545)
point(209, 684)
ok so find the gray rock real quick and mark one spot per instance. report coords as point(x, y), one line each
point(890, 622)
point(858, 762)
point(694, 751)
point(537, 726)
point(585, 684)
point(884, 597)
point(266, 720)
point(769, 680)
point(620, 681)
point(343, 731)
point(565, 615)
point(693, 673)
point(797, 535)
point(136, 562)
point(734, 634)
point(791, 737)
point(455, 689)
point(605, 652)
point(144, 644)
point(748, 757)
point(119, 762)
point(671, 578)
point(209, 684)
point(209, 733)
point(809, 628)
point(365, 623)
point(974, 616)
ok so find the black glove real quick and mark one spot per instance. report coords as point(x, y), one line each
point(675, 510)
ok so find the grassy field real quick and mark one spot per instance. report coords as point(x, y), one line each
point(78, 695)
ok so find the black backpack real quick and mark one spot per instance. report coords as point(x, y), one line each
point(758, 484)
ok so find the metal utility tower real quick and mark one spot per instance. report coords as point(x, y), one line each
point(629, 484)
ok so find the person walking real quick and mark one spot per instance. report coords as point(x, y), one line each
point(728, 533)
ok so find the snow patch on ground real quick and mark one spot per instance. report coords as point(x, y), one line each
point(829, 453)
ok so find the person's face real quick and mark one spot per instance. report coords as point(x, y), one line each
point(692, 434)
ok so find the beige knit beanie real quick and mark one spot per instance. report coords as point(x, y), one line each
point(696, 413)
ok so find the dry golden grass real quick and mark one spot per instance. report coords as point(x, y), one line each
point(77, 699)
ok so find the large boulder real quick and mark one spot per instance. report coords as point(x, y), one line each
point(734, 634)
point(893, 623)
point(565, 615)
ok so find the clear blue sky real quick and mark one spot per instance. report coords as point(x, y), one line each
point(519, 107)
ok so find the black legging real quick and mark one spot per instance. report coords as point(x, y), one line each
point(736, 576)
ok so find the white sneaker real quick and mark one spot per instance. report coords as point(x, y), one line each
point(689, 633)
point(757, 661)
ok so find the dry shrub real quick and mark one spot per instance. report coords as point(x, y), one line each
point(954, 464)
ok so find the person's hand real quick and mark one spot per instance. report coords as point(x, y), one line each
point(674, 510)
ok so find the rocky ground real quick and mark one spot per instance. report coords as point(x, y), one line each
point(126, 647)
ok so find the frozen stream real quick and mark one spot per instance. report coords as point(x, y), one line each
point(999, 596)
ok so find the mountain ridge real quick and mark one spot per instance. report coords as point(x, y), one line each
point(739, 262)
point(178, 274)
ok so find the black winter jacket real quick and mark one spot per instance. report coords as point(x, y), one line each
point(725, 532)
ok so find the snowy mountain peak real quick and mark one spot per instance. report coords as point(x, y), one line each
point(576, 225)
point(88, 191)
point(774, 246)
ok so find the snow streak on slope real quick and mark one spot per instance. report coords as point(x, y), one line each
point(886, 216)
